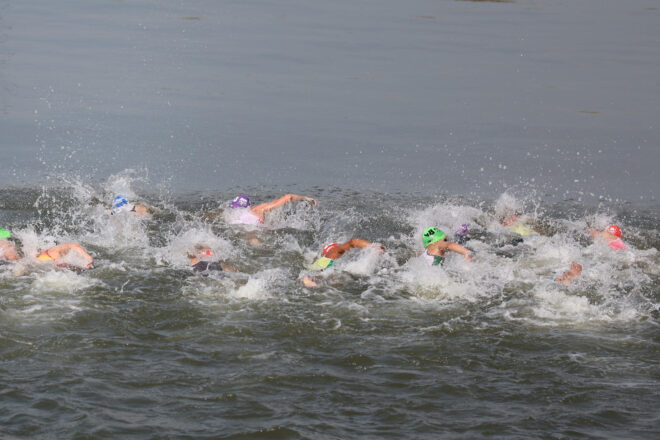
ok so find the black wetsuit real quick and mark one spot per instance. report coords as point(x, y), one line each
point(202, 266)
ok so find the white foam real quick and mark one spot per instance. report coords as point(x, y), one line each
point(255, 289)
point(180, 246)
point(364, 263)
point(60, 281)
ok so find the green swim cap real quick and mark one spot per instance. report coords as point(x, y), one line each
point(4, 233)
point(431, 235)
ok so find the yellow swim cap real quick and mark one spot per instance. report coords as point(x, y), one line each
point(322, 263)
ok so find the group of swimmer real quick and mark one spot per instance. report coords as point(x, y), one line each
point(611, 235)
point(203, 258)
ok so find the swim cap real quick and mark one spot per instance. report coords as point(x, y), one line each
point(328, 248)
point(322, 263)
point(119, 201)
point(431, 235)
point(465, 228)
point(240, 202)
point(205, 252)
point(614, 230)
point(4, 233)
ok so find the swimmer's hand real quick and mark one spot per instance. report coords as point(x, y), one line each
point(307, 282)
point(567, 277)
point(312, 201)
point(468, 256)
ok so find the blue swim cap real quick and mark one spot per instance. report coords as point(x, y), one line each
point(119, 201)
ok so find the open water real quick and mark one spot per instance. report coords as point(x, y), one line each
point(395, 116)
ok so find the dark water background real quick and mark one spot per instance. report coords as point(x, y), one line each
point(395, 116)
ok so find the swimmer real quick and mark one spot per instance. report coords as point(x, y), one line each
point(203, 259)
point(515, 225)
point(67, 255)
point(121, 204)
point(333, 251)
point(567, 277)
point(255, 215)
point(7, 248)
point(462, 234)
point(612, 236)
point(436, 244)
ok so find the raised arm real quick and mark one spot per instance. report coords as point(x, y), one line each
point(288, 198)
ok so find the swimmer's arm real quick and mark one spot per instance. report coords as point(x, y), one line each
point(357, 243)
point(455, 247)
point(596, 234)
point(288, 198)
point(143, 210)
point(567, 277)
point(435, 249)
point(342, 248)
point(9, 250)
point(80, 251)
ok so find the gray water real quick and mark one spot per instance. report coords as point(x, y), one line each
point(395, 116)
point(433, 96)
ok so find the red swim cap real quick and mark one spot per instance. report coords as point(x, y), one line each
point(614, 230)
point(328, 248)
point(205, 252)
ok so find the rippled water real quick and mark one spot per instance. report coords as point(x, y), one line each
point(141, 347)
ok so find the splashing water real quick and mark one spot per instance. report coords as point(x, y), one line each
point(377, 314)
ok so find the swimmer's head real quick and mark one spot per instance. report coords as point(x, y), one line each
point(240, 202)
point(204, 251)
point(464, 229)
point(4, 233)
point(431, 235)
point(328, 248)
point(120, 203)
point(509, 219)
point(614, 230)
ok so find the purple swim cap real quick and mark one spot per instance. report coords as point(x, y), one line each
point(464, 229)
point(240, 202)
